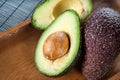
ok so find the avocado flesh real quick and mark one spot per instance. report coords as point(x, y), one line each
point(67, 22)
point(45, 13)
point(102, 42)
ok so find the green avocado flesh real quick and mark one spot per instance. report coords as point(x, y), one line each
point(67, 22)
point(46, 12)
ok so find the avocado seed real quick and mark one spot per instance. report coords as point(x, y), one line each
point(56, 45)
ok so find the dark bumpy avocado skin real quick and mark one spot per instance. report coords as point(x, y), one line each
point(102, 42)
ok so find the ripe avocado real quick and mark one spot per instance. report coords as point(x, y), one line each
point(59, 44)
point(46, 12)
point(102, 42)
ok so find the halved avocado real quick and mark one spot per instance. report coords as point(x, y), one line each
point(59, 44)
point(46, 12)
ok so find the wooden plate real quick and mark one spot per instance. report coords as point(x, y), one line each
point(17, 47)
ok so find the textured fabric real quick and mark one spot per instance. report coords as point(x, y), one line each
point(13, 12)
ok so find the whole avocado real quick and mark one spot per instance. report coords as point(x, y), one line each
point(101, 42)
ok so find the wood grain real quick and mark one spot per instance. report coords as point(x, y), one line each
point(17, 57)
point(17, 48)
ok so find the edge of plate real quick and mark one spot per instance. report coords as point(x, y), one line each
point(14, 28)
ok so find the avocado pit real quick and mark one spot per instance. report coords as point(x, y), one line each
point(56, 45)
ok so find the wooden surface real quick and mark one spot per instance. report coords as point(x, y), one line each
point(17, 56)
point(17, 47)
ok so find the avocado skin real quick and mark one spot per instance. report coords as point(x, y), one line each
point(102, 42)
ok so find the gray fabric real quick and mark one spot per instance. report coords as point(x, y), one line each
point(13, 12)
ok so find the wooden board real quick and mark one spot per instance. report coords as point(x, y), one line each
point(17, 50)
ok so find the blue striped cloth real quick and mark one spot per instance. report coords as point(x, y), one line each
point(13, 12)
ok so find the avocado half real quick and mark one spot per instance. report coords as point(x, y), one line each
point(68, 23)
point(46, 12)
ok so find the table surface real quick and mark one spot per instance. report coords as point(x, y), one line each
point(13, 12)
